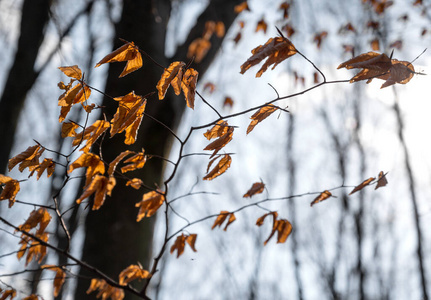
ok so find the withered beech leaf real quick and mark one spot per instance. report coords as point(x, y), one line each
point(149, 204)
point(39, 217)
point(180, 243)
point(380, 66)
point(256, 188)
point(241, 7)
point(228, 101)
point(198, 49)
point(362, 185)
point(275, 50)
point(261, 25)
point(105, 290)
point(10, 189)
point(128, 52)
point(92, 162)
point(114, 163)
point(47, 164)
point(222, 217)
point(60, 277)
point(188, 85)
point(168, 76)
point(381, 180)
point(28, 155)
point(90, 134)
point(319, 37)
point(218, 130)
point(68, 129)
point(8, 293)
point(100, 186)
point(220, 168)
point(222, 141)
point(137, 161)
point(282, 227)
point(131, 273)
point(261, 115)
point(135, 183)
point(72, 71)
point(322, 197)
point(260, 220)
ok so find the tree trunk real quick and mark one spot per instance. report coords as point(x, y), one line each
point(22, 74)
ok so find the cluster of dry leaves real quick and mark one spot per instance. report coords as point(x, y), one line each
point(101, 176)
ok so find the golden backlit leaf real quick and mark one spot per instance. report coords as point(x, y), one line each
point(90, 134)
point(180, 243)
point(218, 130)
point(261, 25)
point(362, 185)
point(285, 8)
point(322, 197)
point(72, 96)
point(380, 66)
point(10, 189)
point(319, 37)
point(211, 87)
point(191, 240)
point(35, 250)
point(9, 293)
point(128, 116)
point(60, 277)
point(68, 129)
point(128, 52)
point(135, 183)
point(289, 30)
point(31, 297)
point(241, 7)
point(149, 204)
point(72, 71)
point(28, 155)
point(198, 49)
point(237, 38)
point(222, 141)
point(375, 45)
point(39, 217)
point(381, 180)
point(137, 161)
point(220, 168)
point(222, 217)
point(260, 115)
point(105, 290)
point(256, 188)
point(114, 163)
point(211, 162)
point(284, 229)
point(261, 219)
point(168, 75)
point(220, 29)
point(275, 50)
point(188, 85)
point(90, 161)
point(100, 186)
point(228, 101)
point(131, 273)
point(47, 164)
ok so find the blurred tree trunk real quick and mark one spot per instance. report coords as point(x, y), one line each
point(22, 75)
point(114, 239)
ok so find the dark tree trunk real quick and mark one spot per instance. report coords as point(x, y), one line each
point(114, 239)
point(22, 75)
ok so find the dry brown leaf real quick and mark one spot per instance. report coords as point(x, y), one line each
point(380, 66)
point(68, 129)
point(10, 189)
point(198, 49)
point(135, 183)
point(218, 130)
point(241, 7)
point(28, 155)
point(47, 164)
point(220, 168)
point(381, 180)
point(100, 186)
point(362, 185)
point(90, 161)
point(260, 115)
point(72, 71)
point(128, 52)
point(222, 217)
point(180, 243)
point(35, 250)
point(173, 71)
point(282, 227)
point(149, 204)
point(275, 50)
point(188, 85)
point(40, 217)
point(31, 297)
point(137, 161)
point(90, 134)
point(7, 293)
point(285, 8)
point(114, 163)
point(220, 29)
point(60, 277)
point(322, 197)
point(319, 37)
point(375, 45)
point(256, 188)
point(105, 290)
point(261, 25)
point(222, 141)
point(289, 30)
point(228, 101)
point(131, 273)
